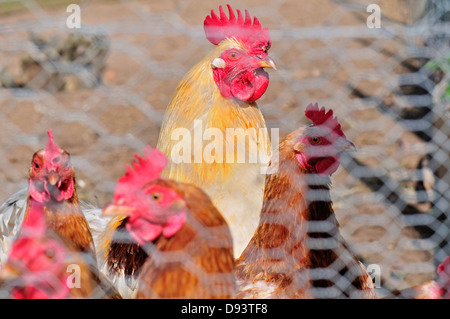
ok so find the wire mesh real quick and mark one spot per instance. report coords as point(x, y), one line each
point(103, 89)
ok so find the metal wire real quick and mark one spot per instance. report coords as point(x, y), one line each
point(104, 88)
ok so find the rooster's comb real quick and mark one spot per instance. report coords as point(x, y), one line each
point(52, 150)
point(220, 28)
point(320, 117)
point(144, 170)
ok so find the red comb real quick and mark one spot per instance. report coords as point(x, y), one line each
point(220, 28)
point(51, 150)
point(320, 117)
point(145, 169)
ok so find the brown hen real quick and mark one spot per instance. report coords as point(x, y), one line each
point(297, 250)
point(172, 242)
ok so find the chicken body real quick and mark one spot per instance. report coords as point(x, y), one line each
point(37, 263)
point(171, 243)
point(297, 250)
point(210, 104)
point(204, 267)
point(52, 189)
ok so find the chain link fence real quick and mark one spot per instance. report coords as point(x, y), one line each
point(103, 89)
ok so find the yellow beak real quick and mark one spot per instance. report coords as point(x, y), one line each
point(117, 210)
point(8, 272)
point(267, 62)
point(53, 178)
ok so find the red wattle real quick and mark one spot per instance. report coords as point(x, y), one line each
point(301, 158)
point(249, 85)
point(322, 166)
point(242, 86)
point(143, 231)
point(174, 224)
point(39, 195)
point(327, 166)
point(67, 193)
point(261, 83)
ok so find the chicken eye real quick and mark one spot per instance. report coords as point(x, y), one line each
point(233, 55)
point(36, 165)
point(156, 196)
point(265, 48)
point(66, 163)
point(315, 140)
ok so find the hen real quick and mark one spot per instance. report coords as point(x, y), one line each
point(297, 250)
point(216, 102)
point(36, 267)
point(43, 266)
point(171, 241)
point(52, 189)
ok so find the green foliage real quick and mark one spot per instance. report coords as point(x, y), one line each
point(443, 64)
point(446, 95)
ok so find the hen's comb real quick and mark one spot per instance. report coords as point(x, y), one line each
point(51, 150)
point(320, 117)
point(220, 28)
point(144, 170)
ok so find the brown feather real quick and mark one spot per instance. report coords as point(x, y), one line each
point(124, 253)
point(278, 254)
point(202, 252)
point(67, 221)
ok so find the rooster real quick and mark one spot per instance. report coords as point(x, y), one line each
point(173, 242)
point(52, 189)
point(297, 251)
point(220, 93)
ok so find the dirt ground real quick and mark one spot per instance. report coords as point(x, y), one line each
point(152, 44)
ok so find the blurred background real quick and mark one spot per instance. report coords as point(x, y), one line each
point(103, 89)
